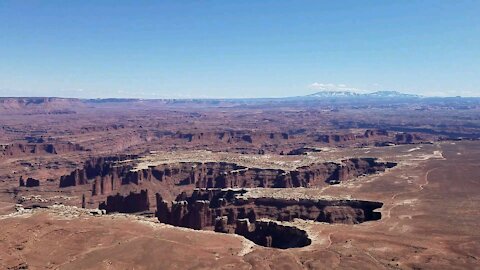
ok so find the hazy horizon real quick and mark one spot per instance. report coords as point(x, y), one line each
point(266, 97)
point(250, 49)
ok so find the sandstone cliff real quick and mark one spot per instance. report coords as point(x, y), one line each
point(22, 149)
point(131, 203)
point(106, 175)
point(228, 211)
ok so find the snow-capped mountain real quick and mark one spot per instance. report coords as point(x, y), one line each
point(392, 94)
point(353, 94)
point(328, 94)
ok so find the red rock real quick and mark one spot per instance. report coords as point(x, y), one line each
point(131, 203)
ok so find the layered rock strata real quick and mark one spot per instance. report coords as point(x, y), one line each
point(272, 234)
point(22, 149)
point(108, 174)
point(225, 210)
point(204, 206)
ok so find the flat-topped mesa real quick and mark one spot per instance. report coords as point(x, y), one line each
point(275, 139)
point(23, 149)
point(107, 175)
point(112, 175)
point(335, 138)
point(407, 138)
point(228, 175)
point(203, 207)
point(233, 137)
point(231, 175)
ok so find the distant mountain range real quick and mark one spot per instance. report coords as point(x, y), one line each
point(65, 105)
point(352, 94)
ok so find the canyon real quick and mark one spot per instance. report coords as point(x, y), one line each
point(227, 211)
point(110, 175)
point(321, 184)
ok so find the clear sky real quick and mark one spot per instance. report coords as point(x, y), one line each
point(249, 48)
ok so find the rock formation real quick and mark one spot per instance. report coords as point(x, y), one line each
point(131, 203)
point(22, 149)
point(271, 234)
point(205, 205)
point(228, 211)
point(103, 167)
point(372, 133)
point(30, 182)
point(405, 138)
point(106, 176)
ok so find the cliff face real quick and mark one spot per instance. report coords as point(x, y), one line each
point(236, 137)
point(405, 138)
point(106, 177)
point(258, 141)
point(233, 137)
point(335, 138)
point(227, 211)
point(111, 176)
point(271, 234)
point(131, 203)
point(216, 205)
point(203, 207)
point(97, 168)
point(22, 149)
point(30, 182)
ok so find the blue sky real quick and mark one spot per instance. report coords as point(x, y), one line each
point(183, 49)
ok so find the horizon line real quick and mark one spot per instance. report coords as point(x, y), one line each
point(217, 98)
